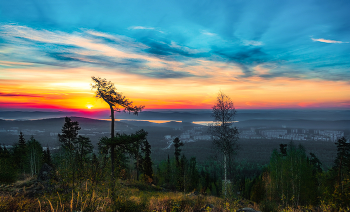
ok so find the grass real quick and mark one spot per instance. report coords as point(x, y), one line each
point(129, 196)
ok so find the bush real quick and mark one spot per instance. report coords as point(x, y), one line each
point(267, 206)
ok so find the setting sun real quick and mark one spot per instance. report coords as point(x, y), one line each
point(89, 106)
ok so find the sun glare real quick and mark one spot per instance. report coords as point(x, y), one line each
point(89, 106)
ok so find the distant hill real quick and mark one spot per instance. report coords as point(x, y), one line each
point(190, 115)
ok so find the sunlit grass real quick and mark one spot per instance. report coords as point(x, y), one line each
point(135, 196)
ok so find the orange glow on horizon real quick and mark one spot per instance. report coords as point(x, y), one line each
point(50, 89)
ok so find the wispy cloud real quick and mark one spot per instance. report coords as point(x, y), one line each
point(141, 27)
point(19, 95)
point(208, 33)
point(327, 41)
point(91, 48)
point(252, 43)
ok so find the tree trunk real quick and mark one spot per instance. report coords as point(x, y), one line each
point(112, 123)
point(225, 170)
point(112, 153)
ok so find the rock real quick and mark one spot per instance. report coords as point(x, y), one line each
point(247, 210)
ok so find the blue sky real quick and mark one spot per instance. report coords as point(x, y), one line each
point(293, 40)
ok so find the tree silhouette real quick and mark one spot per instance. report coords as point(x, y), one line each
point(342, 161)
point(69, 134)
point(147, 161)
point(223, 133)
point(177, 144)
point(67, 139)
point(117, 102)
point(129, 143)
point(19, 153)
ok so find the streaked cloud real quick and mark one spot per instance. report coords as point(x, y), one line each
point(327, 41)
point(141, 27)
point(252, 43)
point(208, 33)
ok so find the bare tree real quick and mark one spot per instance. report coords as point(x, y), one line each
point(224, 134)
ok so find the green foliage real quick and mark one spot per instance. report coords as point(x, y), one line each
point(177, 144)
point(292, 181)
point(8, 172)
point(147, 161)
point(34, 155)
point(315, 162)
point(47, 157)
point(69, 134)
point(20, 154)
point(258, 192)
point(118, 146)
point(267, 206)
point(341, 173)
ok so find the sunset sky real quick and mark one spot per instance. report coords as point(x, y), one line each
point(175, 54)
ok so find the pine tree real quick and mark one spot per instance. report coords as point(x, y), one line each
point(315, 162)
point(177, 144)
point(19, 154)
point(67, 139)
point(342, 161)
point(341, 170)
point(8, 172)
point(83, 147)
point(147, 161)
point(168, 171)
point(47, 156)
point(1, 151)
point(69, 134)
point(95, 169)
point(283, 149)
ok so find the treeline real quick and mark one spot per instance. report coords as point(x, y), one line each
point(293, 178)
point(25, 158)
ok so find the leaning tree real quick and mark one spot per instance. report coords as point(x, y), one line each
point(106, 91)
point(224, 134)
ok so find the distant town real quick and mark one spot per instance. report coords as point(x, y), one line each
point(200, 133)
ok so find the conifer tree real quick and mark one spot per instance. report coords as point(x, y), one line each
point(69, 134)
point(47, 156)
point(177, 144)
point(341, 170)
point(83, 147)
point(342, 161)
point(147, 161)
point(168, 171)
point(1, 151)
point(7, 169)
point(19, 154)
point(67, 139)
point(106, 91)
